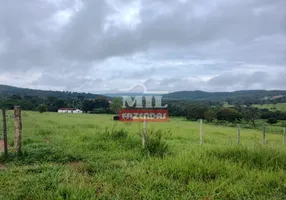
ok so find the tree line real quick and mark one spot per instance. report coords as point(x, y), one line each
point(208, 110)
point(211, 112)
point(99, 104)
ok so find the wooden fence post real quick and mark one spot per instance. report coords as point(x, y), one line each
point(264, 134)
point(5, 132)
point(238, 134)
point(201, 131)
point(144, 133)
point(284, 135)
point(17, 129)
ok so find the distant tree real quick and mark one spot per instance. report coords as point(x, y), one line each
point(195, 112)
point(248, 103)
point(116, 105)
point(210, 115)
point(99, 111)
point(175, 109)
point(87, 105)
point(10, 103)
point(59, 103)
point(16, 97)
point(101, 103)
point(251, 114)
point(272, 121)
point(42, 108)
point(80, 97)
point(228, 114)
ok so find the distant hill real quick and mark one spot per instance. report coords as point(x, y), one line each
point(254, 96)
point(128, 94)
point(222, 96)
point(6, 90)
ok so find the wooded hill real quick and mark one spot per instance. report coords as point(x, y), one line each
point(6, 90)
point(236, 97)
point(241, 97)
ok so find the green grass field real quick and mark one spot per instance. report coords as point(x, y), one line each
point(89, 157)
point(272, 107)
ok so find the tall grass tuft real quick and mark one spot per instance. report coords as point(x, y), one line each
point(115, 134)
point(155, 145)
point(119, 134)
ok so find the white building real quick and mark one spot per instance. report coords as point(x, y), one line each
point(69, 110)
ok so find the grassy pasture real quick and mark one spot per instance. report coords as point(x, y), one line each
point(272, 107)
point(76, 157)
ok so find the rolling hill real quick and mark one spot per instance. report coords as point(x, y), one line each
point(245, 95)
point(6, 90)
point(222, 96)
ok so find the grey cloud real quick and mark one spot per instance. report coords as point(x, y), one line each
point(70, 82)
point(173, 84)
point(25, 41)
point(256, 80)
point(234, 35)
point(225, 79)
point(133, 74)
point(221, 82)
point(178, 26)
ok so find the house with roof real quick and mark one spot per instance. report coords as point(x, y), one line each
point(69, 110)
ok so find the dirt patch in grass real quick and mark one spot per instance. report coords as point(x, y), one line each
point(47, 140)
point(82, 167)
point(2, 167)
point(75, 165)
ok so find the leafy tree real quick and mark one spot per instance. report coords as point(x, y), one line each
point(80, 97)
point(87, 105)
point(42, 108)
point(10, 103)
point(228, 114)
point(195, 112)
point(210, 115)
point(176, 109)
point(101, 103)
point(116, 105)
point(251, 114)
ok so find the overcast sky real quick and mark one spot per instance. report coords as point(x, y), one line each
point(104, 46)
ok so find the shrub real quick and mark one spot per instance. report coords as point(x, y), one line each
point(272, 121)
point(119, 134)
point(42, 108)
point(115, 134)
point(155, 146)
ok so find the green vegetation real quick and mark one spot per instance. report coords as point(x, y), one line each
point(6, 90)
point(244, 96)
point(116, 105)
point(83, 156)
point(272, 107)
point(42, 108)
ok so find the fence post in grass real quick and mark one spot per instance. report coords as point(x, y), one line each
point(144, 133)
point(5, 132)
point(17, 129)
point(264, 134)
point(201, 131)
point(238, 134)
point(284, 135)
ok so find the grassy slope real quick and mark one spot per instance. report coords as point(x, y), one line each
point(273, 107)
point(70, 157)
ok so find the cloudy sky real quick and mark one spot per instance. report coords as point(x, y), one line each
point(104, 46)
